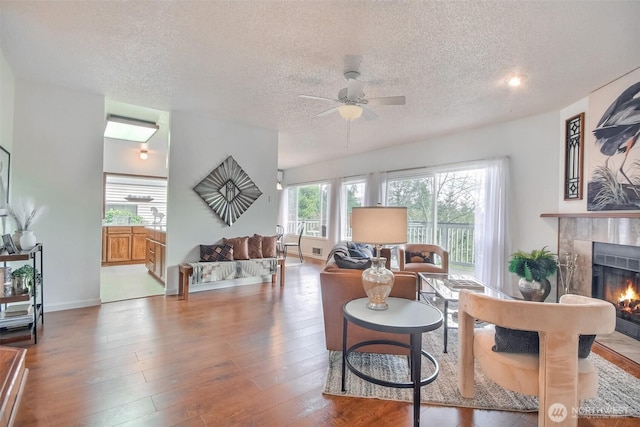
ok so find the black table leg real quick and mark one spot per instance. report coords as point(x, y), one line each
point(344, 350)
point(446, 324)
point(416, 374)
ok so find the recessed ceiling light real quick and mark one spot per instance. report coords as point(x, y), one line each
point(516, 80)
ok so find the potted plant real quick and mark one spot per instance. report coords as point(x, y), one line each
point(24, 213)
point(24, 278)
point(534, 268)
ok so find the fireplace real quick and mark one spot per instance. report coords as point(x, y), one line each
point(616, 278)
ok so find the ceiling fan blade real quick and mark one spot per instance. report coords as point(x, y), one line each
point(367, 113)
point(327, 112)
point(354, 89)
point(322, 98)
point(387, 100)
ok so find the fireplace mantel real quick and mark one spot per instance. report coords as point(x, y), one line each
point(600, 214)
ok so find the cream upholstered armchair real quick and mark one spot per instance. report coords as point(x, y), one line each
point(556, 375)
point(419, 258)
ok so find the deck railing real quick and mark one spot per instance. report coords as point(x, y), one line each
point(456, 238)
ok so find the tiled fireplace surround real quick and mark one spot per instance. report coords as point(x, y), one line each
point(576, 236)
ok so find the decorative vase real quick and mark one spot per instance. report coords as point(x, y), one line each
point(27, 240)
point(16, 239)
point(377, 282)
point(19, 285)
point(534, 290)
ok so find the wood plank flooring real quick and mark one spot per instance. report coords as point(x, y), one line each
point(246, 356)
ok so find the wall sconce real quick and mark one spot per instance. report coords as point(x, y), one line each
point(144, 154)
point(135, 130)
point(279, 178)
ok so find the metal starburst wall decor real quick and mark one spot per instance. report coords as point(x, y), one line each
point(228, 191)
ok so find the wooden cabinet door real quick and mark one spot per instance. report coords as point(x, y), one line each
point(151, 259)
point(118, 247)
point(104, 244)
point(160, 261)
point(139, 247)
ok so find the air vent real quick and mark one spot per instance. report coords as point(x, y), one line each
point(316, 251)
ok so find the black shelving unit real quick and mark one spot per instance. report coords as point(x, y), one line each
point(18, 331)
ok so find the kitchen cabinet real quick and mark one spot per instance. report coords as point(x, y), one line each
point(124, 245)
point(156, 247)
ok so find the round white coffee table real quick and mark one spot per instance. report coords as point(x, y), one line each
point(402, 317)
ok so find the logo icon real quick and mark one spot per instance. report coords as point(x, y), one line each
point(557, 412)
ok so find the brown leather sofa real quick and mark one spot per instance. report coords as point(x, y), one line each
point(438, 265)
point(339, 286)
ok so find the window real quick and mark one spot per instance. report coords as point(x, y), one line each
point(130, 199)
point(352, 194)
point(440, 208)
point(308, 204)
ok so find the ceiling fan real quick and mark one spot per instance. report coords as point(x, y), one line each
point(354, 103)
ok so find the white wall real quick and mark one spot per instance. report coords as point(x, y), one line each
point(531, 144)
point(57, 160)
point(198, 145)
point(124, 156)
point(7, 90)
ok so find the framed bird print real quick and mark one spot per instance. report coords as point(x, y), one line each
point(614, 152)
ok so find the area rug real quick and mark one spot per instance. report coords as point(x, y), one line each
point(618, 394)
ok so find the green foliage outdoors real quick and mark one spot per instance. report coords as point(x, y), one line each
point(533, 266)
point(112, 214)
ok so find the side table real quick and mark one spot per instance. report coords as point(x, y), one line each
point(402, 317)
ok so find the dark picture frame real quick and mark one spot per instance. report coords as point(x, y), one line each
point(574, 157)
point(9, 245)
point(5, 168)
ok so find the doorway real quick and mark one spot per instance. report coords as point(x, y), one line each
point(134, 207)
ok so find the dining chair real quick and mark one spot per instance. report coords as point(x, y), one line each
point(287, 245)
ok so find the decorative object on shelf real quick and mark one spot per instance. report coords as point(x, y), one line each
point(573, 157)
point(9, 245)
point(25, 213)
point(228, 191)
point(570, 262)
point(27, 240)
point(533, 268)
point(614, 125)
point(157, 215)
point(379, 226)
point(5, 164)
point(23, 279)
point(139, 199)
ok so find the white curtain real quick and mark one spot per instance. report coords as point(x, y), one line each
point(335, 212)
point(492, 242)
point(376, 185)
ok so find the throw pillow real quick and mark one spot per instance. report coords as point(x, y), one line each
point(255, 246)
point(518, 341)
point(418, 257)
point(240, 247)
point(352, 263)
point(269, 246)
point(209, 253)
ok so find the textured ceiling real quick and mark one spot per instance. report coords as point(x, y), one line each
point(248, 61)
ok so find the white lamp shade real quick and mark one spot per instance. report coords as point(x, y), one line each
point(379, 225)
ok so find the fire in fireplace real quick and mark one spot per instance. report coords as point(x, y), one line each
point(616, 278)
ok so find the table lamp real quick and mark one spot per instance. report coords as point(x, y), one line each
point(378, 225)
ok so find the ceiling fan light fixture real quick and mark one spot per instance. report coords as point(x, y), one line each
point(350, 112)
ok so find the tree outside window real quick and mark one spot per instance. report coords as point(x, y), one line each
point(308, 204)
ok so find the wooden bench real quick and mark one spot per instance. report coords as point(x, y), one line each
point(185, 271)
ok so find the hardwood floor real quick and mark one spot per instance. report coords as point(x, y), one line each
point(246, 356)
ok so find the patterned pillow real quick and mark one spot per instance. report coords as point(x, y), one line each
point(240, 247)
point(255, 246)
point(418, 257)
point(269, 246)
point(210, 253)
point(351, 263)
